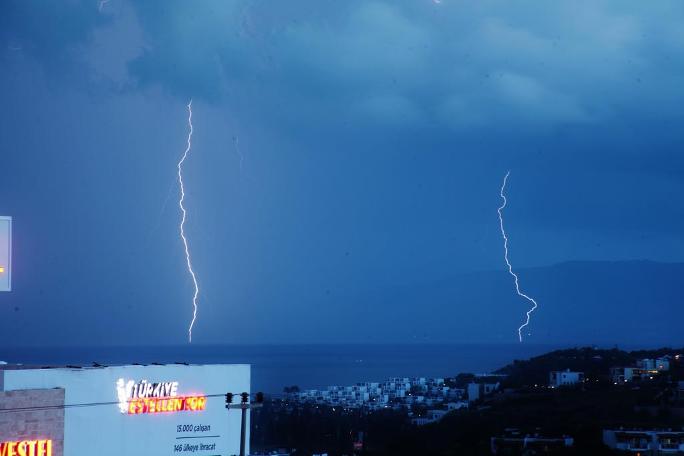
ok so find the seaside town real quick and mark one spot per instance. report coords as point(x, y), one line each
point(437, 395)
point(441, 395)
point(653, 386)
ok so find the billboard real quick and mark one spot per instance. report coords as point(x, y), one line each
point(5, 253)
point(153, 410)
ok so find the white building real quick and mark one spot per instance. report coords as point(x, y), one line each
point(479, 390)
point(662, 364)
point(515, 442)
point(655, 365)
point(421, 421)
point(153, 410)
point(473, 391)
point(457, 405)
point(565, 378)
point(645, 442)
point(432, 416)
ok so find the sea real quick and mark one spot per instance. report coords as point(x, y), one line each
point(307, 366)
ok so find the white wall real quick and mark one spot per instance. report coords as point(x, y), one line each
point(560, 378)
point(105, 431)
point(473, 391)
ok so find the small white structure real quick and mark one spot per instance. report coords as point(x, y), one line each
point(432, 417)
point(5, 253)
point(489, 388)
point(565, 378)
point(437, 415)
point(658, 364)
point(457, 405)
point(421, 421)
point(646, 364)
point(662, 364)
point(478, 390)
point(473, 392)
point(621, 375)
point(644, 441)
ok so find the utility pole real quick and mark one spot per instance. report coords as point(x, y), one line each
point(244, 405)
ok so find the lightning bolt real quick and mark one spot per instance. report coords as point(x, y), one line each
point(182, 224)
point(236, 141)
point(510, 268)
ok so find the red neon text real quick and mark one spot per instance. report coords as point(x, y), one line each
point(166, 405)
point(26, 448)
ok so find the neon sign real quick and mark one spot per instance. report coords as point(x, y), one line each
point(167, 404)
point(145, 398)
point(26, 448)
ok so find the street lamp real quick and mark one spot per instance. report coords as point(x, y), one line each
point(244, 405)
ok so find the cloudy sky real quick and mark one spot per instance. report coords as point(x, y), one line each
point(339, 149)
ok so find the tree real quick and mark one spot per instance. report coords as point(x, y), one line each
point(291, 389)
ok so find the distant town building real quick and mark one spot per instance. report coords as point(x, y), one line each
point(645, 369)
point(655, 365)
point(663, 364)
point(645, 442)
point(473, 392)
point(513, 442)
point(620, 375)
point(565, 378)
point(477, 390)
point(434, 397)
point(420, 421)
point(432, 416)
point(457, 405)
point(395, 392)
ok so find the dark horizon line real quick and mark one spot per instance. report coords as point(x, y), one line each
point(556, 345)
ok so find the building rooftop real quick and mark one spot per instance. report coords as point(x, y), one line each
point(18, 366)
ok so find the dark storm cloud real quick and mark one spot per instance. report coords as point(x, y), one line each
point(191, 47)
point(50, 31)
point(374, 137)
point(456, 64)
point(589, 88)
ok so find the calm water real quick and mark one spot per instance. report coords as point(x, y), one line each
point(309, 366)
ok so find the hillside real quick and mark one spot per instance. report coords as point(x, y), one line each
point(595, 363)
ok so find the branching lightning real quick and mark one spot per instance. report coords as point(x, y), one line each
point(182, 224)
point(510, 268)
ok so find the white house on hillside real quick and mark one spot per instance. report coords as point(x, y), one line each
point(565, 378)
